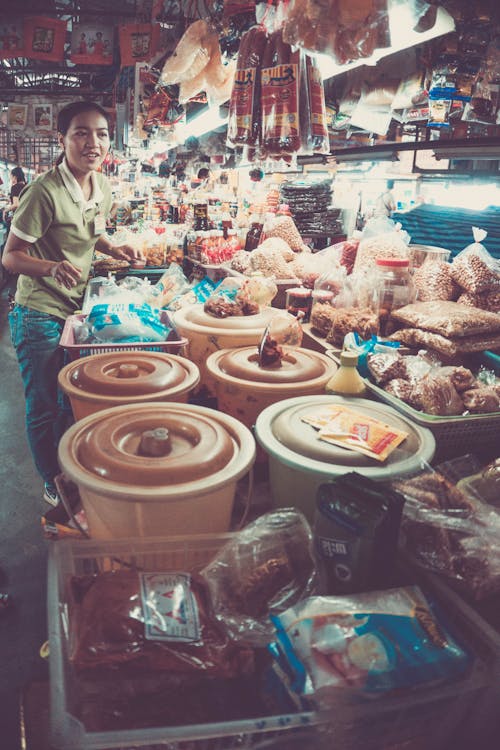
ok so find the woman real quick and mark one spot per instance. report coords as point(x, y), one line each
point(60, 220)
point(18, 184)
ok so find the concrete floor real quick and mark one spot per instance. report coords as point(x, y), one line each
point(23, 550)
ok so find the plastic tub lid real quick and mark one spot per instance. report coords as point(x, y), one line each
point(297, 366)
point(156, 450)
point(280, 431)
point(118, 375)
point(195, 317)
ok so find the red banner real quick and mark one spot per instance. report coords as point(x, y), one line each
point(44, 38)
point(138, 42)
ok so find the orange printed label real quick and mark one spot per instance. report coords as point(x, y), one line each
point(242, 98)
point(280, 101)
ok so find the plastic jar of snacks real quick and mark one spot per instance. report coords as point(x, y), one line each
point(393, 289)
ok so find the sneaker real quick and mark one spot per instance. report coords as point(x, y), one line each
point(50, 495)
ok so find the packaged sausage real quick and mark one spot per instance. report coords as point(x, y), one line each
point(244, 108)
point(280, 97)
point(314, 131)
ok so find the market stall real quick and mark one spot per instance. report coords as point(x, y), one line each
point(279, 517)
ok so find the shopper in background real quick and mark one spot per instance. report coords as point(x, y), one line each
point(18, 181)
point(60, 220)
point(386, 203)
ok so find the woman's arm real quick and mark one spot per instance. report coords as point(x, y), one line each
point(16, 259)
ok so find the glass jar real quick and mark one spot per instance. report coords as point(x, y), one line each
point(254, 233)
point(393, 289)
point(298, 301)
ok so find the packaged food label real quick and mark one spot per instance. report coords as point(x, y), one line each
point(242, 98)
point(170, 608)
point(280, 101)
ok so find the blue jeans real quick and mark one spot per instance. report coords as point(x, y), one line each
point(35, 336)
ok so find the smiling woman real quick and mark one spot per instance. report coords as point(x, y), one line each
point(60, 219)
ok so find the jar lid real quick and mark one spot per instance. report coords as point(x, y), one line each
point(127, 374)
point(195, 316)
point(393, 262)
point(297, 366)
point(152, 445)
point(299, 291)
point(349, 359)
point(282, 433)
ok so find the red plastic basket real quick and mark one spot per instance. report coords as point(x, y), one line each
point(174, 345)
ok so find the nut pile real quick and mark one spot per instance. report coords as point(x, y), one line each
point(433, 281)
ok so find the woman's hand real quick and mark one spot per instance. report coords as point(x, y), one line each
point(66, 274)
point(127, 252)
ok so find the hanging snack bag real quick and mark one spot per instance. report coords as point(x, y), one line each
point(244, 108)
point(474, 269)
point(280, 97)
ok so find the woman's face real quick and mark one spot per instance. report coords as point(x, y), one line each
point(86, 143)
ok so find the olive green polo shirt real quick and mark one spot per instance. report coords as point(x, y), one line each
point(57, 221)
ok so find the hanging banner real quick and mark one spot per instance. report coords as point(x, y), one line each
point(44, 38)
point(17, 115)
point(92, 44)
point(11, 37)
point(138, 42)
point(42, 117)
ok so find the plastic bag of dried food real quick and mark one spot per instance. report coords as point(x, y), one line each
point(482, 400)
point(489, 300)
point(404, 390)
point(284, 227)
point(390, 242)
point(461, 377)
point(149, 621)
point(371, 643)
point(451, 532)
point(433, 281)
point(267, 567)
point(228, 299)
point(447, 318)
point(446, 347)
point(385, 367)
point(437, 395)
point(474, 269)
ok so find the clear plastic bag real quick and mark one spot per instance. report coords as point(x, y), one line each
point(381, 238)
point(433, 281)
point(483, 300)
point(451, 532)
point(447, 319)
point(474, 269)
point(266, 568)
point(230, 298)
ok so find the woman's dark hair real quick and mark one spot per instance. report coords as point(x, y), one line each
point(72, 110)
point(18, 173)
point(203, 173)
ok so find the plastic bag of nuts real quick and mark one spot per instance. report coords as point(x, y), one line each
point(474, 269)
point(284, 227)
point(433, 281)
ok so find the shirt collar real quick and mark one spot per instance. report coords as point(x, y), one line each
point(76, 191)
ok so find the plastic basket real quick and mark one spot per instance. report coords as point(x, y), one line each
point(174, 345)
point(453, 435)
point(428, 718)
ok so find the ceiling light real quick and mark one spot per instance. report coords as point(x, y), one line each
point(209, 119)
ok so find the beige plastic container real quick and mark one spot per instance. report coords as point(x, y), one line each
point(244, 388)
point(299, 462)
point(101, 381)
point(207, 334)
point(157, 469)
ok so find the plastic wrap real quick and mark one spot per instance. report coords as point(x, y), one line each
point(381, 239)
point(484, 300)
point(474, 269)
point(266, 568)
point(280, 97)
point(446, 347)
point(230, 298)
point(313, 125)
point(433, 281)
point(285, 229)
point(386, 367)
point(191, 54)
point(149, 622)
point(244, 125)
point(481, 400)
point(447, 319)
point(121, 323)
point(373, 642)
point(437, 395)
point(451, 533)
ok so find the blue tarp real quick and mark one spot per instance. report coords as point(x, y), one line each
point(451, 227)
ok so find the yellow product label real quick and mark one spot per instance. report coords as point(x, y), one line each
point(348, 428)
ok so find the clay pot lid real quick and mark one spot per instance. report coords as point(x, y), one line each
point(281, 431)
point(196, 315)
point(297, 365)
point(153, 447)
point(123, 374)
